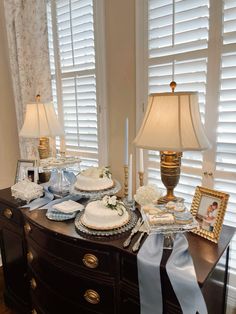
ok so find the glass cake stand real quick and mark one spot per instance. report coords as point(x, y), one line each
point(169, 231)
point(96, 195)
point(62, 173)
point(105, 233)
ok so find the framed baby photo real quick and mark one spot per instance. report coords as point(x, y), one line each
point(25, 169)
point(208, 207)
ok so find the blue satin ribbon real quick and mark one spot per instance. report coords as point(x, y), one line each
point(181, 272)
point(149, 259)
point(39, 202)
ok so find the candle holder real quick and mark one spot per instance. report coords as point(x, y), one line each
point(141, 176)
point(130, 204)
point(126, 181)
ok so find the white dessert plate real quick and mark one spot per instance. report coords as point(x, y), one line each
point(68, 207)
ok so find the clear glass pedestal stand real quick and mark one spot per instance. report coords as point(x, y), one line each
point(60, 182)
point(168, 240)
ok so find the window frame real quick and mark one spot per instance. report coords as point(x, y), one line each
point(100, 73)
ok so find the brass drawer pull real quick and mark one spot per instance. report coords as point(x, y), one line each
point(90, 261)
point(7, 212)
point(27, 228)
point(33, 284)
point(34, 311)
point(30, 257)
point(92, 296)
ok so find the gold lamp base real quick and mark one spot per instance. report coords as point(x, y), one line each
point(44, 148)
point(170, 174)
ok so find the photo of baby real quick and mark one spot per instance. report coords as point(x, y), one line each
point(207, 213)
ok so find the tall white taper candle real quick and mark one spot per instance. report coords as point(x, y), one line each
point(130, 188)
point(141, 168)
point(126, 143)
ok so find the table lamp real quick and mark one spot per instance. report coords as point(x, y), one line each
point(172, 125)
point(41, 122)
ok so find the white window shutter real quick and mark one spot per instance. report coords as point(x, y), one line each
point(183, 49)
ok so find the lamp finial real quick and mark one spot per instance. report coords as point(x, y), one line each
point(173, 86)
point(37, 98)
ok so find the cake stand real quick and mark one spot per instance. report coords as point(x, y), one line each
point(169, 231)
point(62, 173)
point(97, 195)
point(105, 233)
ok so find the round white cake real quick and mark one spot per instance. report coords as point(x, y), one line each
point(93, 179)
point(99, 217)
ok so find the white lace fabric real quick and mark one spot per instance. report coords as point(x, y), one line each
point(26, 190)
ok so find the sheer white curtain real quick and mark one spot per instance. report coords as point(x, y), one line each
point(29, 59)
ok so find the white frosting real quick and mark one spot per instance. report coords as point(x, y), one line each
point(90, 184)
point(97, 216)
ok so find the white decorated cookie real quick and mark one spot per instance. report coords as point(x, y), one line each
point(183, 218)
point(164, 219)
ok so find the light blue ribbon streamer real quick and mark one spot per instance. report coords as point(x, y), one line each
point(39, 202)
point(181, 272)
point(149, 259)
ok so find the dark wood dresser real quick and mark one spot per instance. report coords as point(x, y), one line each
point(49, 268)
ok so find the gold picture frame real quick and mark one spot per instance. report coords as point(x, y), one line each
point(208, 207)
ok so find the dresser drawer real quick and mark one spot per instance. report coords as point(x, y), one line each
point(84, 256)
point(11, 214)
point(56, 291)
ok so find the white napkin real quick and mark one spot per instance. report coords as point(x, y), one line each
point(68, 206)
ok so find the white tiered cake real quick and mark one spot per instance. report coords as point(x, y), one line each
point(98, 215)
point(94, 179)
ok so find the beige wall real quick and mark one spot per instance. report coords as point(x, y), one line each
point(9, 151)
point(120, 52)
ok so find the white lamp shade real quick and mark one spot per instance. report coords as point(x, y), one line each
point(172, 123)
point(41, 120)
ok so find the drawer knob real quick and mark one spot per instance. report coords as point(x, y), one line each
point(27, 228)
point(33, 284)
point(90, 261)
point(34, 311)
point(30, 257)
point(92, 296)
point(8, 213)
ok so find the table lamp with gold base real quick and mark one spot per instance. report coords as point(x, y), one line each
point(172, 125)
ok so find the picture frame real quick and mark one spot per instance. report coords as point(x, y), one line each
point(25, 168)
point(208, 207)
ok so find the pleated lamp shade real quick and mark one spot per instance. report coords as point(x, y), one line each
point(41, 121)
point(172, 123)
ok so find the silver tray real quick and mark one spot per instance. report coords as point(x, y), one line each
point(105, 233)
point(97, 195)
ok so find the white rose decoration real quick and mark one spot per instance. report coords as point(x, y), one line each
point(105, 200)
point(112, 200)
point(147, 194)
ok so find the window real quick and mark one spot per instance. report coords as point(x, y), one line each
point(76, 61)
point(194, 42)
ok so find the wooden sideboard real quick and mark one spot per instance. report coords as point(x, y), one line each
point(49, 268)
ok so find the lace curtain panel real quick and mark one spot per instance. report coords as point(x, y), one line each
point(26, 25)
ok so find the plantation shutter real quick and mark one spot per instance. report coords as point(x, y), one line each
point(178, 53)
point(73, 69)
point(193, 49)
point(225, 174)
